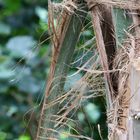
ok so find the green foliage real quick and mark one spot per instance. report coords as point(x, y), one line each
point(12, 7)
point(3, 136)
point(24, 137)
point(23, 65)
point(21, 46)
point(5, 29)
point(92, 112)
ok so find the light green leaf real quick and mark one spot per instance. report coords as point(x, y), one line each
point(22, 46)
point(3, 87)
point(63, 136)
point(4, 29)
point(3, 136)
point(26, 82)
point(24, 137)
point(12, 110)
point(41, 13)
point(92, 112)
point(3, 59)
point(6, 73)
point(81, 116)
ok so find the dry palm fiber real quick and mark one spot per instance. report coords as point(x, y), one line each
point(123, 4)
point(91, 85)
point(96, 20)
point(64, 38)
point(69, 102)
point(127, 54)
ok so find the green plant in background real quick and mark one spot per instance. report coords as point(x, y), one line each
point(22, 66)
point(24, 137)
point(3, 136)
point(123, 21)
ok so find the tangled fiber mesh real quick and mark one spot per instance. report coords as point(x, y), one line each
point(58, 15)
point(92, 80)
point(123, 4)
point(90, 86)
point(126, 55)
point(65, 5)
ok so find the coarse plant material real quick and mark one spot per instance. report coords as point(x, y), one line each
point(123, 4)
point(126, 56)
point(62, 52)
point(59, 106)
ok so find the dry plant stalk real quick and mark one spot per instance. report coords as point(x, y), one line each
point(65, 36)
point(123, 4)
point(102, 53)
point(91, 85)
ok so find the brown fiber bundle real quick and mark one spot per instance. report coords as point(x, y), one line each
point(125, 56)
point(123, 4)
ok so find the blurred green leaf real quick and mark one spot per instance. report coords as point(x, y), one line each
point(64, 136)
point(81, 116)
point(3, 58)
point(20, 64)
point(6, 74)
point(3, 136)
point(87, 33)
point(22, 46)
point(24, 137)
point(92, 112)
point(4, 29)
point(4, 87)
point(10, 7)
point(122, 22)
point(12, 110)
point(43, 26)
point(28, 84)
point(42, 13)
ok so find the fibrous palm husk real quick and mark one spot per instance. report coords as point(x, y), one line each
point(125, 56)
point(123, 4)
